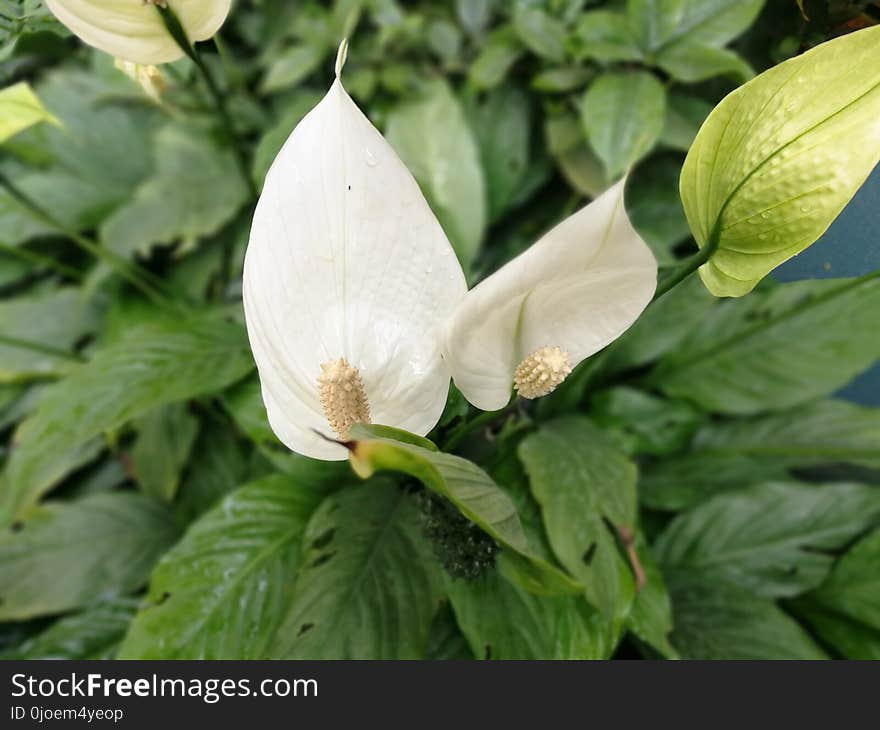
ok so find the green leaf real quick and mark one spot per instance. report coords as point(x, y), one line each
point(852, 639)
point(853, 588)
point(223, 590)
point(56, 319)
point(779, 158)
point(731, 454)
point(502, 621)
point(776, 349)
point(773, 539)
point(641, 423)
point(560, 80)
point(474, 494)
point(369, 586)
point(429, 134)
point(148, 367)
point(604, 35)
point(61, 556)
point(622, 114)
point(543, 34)
point(651, 616)
point(581, 480)
point(276, 135)
point(663, 23)
point(291, 66)
point(715, 620)
point(692, 62)
point(845, 609)
point(497, 54)
point(19, 109)
point(218, 465)
point(503, 127)
point(195, 190)
point(165, 438)
point(93, 633)
point(684, 117)
point(654, 207)
point(446, 640)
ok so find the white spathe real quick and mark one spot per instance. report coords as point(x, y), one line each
point(346, 260)
point(133, 30)
point(578, 288)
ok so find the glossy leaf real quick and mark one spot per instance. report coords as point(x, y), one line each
point(581, 480)
point(776, 349)
point(150, 366)
point(502, 621)
point(369, 587)
point(222, 591)
point(55, 319)
point(622, 113)
point(165, 439)
point(429, 134)
point(65, 555)
point(716, 620)
point(93, 633)
point(773, 539)
point(195, 190)
point(733, 454)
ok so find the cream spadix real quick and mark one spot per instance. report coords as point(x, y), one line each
point(569, 295)
point(347, 277)
point(133, 29)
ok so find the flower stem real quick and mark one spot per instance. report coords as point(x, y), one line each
point(142, 280)
point(687, 268)
point(175, 29)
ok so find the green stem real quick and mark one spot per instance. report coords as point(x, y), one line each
point(16, 342)
point(688, 267)
point(142, 280)
point(484, 419)
point(34, 258)
point(175, 29)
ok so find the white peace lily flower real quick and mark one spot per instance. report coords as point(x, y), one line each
point(573, 292)
point(347, 278)
point(150, 78)
point(133, 30)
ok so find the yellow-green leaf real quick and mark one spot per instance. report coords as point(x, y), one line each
point(19, 109)
point(473, 493)
point(779, 158)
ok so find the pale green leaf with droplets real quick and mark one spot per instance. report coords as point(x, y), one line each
point(779, 158)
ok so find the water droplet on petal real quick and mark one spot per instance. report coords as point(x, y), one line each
point(370, 158)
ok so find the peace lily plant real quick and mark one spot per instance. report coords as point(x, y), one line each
point(358, 317)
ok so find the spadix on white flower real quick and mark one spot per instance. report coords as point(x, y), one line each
point(573, 292)
point(133, 29)
point(347, 278)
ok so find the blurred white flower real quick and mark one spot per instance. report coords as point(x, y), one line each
point(149, 78)
point(348, 277)
point(573, 292)
point(133, 29)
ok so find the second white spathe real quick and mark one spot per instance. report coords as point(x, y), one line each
point(133, 29)
point(348, 278)
point(565, 298)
